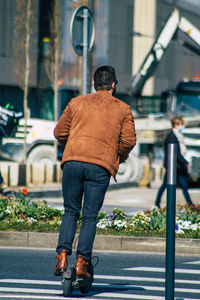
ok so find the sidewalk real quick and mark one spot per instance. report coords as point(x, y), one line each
point(144, 197)
point(125, 196)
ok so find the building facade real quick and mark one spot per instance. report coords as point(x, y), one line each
point(115, 44)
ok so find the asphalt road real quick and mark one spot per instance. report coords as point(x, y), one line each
point(28, 274)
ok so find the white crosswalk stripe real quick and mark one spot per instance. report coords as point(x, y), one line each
point(193, 262)
point(150, 279)
point(148, 269)
point(104, 295)
point(109, 277)
point(29, 281)
point(136, 287)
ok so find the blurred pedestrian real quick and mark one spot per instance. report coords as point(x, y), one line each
point(97, 133)
point(175, 137)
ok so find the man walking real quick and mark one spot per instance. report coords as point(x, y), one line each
point(97, 132)
point(175, 136)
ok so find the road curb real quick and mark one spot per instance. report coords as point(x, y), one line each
point(102, 242)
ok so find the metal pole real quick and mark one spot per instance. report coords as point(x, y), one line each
point(170, 230)
point(85, 49)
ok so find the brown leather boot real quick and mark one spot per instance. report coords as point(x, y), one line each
point(82, 267)
point(61, 265)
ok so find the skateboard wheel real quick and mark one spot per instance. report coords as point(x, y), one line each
point(67, 282)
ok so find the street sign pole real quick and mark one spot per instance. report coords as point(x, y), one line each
point(85, 49)
point(171, 214)
point(82, 34)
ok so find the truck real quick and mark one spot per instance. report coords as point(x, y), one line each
point(40, 142)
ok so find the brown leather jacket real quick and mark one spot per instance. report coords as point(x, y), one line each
point(96, 128)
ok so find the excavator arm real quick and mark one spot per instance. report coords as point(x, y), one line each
point(192, 32)
point(151, 61)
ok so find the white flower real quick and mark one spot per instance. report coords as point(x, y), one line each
point(120, 223)
point(8, 210)
point(104, 223)
point(194, 226)
point(20, 220)
point(31, 220)
point(186, 225)
point(132, 224)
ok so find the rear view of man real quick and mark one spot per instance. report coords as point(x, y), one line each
point(97, 132)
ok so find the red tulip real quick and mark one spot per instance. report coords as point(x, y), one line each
point(24, 191)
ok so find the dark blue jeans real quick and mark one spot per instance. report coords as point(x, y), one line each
point(184, 186)
point(88, 180)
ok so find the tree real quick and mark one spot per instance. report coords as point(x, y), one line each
point(24, 31)
point(53, 61)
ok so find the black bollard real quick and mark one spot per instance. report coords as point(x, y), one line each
point(171, 214)
point(22, 174)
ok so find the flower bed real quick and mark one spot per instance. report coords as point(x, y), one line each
point(153, 222)
point(19, 212)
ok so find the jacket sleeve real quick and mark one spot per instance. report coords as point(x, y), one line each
point(128, 136)
point(61, 131)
